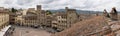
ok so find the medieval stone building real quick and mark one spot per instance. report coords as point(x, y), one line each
point(12, 18)
point(42, 18)
point(34, 17)
point(71, 16)
point(30, 19)
point(4, 18)
point(41, 15)
point(96, 26)
point(49, 19)
point(113, 14)
point(64, 20)
point(59, 20)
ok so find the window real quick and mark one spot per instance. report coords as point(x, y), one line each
point(59, 21)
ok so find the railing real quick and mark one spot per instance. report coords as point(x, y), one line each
point(4, 30)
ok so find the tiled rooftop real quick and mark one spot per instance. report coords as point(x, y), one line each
point(85, 27)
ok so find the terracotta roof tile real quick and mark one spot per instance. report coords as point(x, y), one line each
point(84, 27)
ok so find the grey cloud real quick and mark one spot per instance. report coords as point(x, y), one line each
point(7, 2)
point(47, 1)
point(24, 2)
point(60, 4)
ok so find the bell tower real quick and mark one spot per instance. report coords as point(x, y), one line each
point(39, 7)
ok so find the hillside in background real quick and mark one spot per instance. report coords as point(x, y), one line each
point(79, 11)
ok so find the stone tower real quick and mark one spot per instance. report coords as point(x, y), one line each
point(39, 7)
point(71, 16)
point(113, 14)
point(105, 13)
point(41, 15)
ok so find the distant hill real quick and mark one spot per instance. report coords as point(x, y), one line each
point(78, 11)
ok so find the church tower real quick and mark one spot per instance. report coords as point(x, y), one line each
point(113, 14)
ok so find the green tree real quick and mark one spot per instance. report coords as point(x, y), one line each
point(49, 12)
point(13, 10)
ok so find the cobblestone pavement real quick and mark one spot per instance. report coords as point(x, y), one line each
point(26, 31)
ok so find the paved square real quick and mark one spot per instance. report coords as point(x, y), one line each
point(20, 31)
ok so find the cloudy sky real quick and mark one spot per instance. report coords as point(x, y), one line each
point(96, 5)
